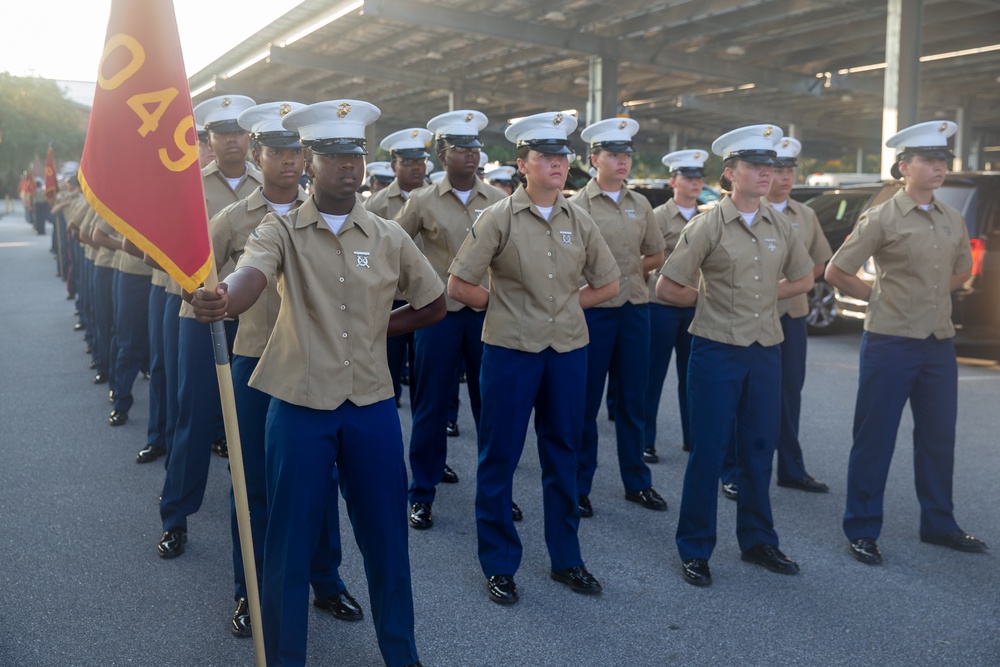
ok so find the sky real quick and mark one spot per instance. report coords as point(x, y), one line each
point(63, 39)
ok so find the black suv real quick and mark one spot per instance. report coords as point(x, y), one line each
point(976, 195)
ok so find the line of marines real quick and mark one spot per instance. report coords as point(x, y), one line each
point(541, 301)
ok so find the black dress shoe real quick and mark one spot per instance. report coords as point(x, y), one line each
point(93, 364)
point(770, 556)
point(221, 448)
point(240, 627)
point(343, 607)
point(649, 455)
point(451, 428)
point(515, 512)
point(90, 348)
point(502, 588)
point(731, 491)
point(101, 378)
point(959, 541)
point(79, 326)
point(686, 447)
point(149, 453)
point(648, 498)
point(866, 550)
point(586, 509)
point(696, 572)
point(118, 417)
point(578, 579)
point(421, 516)
point(171, 545)
point(806, 483)
point(449, 476)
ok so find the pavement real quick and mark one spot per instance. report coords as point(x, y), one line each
point(81, 584)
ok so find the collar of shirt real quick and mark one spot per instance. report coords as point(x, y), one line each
point(307, 214)
point(520, 201)
point(257, 199)
point(478, 188)
point(905, 203)
point(731, 214)
point(594, 190)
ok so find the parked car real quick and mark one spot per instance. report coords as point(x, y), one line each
point(658, 192)
point(976, 195)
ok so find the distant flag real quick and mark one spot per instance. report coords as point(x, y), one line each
point(140, 163)
point(51, 184)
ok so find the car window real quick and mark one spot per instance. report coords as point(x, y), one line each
point(837, 212)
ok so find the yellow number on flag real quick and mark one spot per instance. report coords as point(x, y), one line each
point(190, 151)
point(138, 58)
point(151, 120)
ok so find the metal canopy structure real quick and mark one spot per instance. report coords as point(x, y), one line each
point(687, 70)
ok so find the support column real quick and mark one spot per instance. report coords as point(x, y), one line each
point(859, 165)
point(456, 99)
point(602, 96)
point(963, 138)
point(900, 104)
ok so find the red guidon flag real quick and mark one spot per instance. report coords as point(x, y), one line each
point(140, 163)
point(51, 185)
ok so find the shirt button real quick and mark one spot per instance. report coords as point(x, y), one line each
point(550, 275)
point(338, 252)
point(547, 232)
point(756, 315)
point(756, 259)
point(344, 334)
point(756, 296)
point(549, 254)
point(466, 229)
point(753, 240)
point(932, 226)
point(341, 278)
point(550, 297)
point(550, 319)
point(347, 363)
point(342, 307)
point(755, 278)
point(935, 247)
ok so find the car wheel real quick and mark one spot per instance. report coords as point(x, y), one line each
point(822, 317)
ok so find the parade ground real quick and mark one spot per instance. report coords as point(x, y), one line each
point(81, 583)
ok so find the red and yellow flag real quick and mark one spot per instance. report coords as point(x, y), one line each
point(51, 184)
point(140, 163)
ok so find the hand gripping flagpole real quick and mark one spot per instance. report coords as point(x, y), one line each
point(220, 347)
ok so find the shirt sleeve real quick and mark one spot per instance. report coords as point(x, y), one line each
point(963, 258)
point(652, 237)
point(863, 242)
point(683, 266)
point(819, 249)
point(478, 250)
point(798, 263)
point(409, 217)
point(601, 267)
point(220, 232)
point(265, 248)
point(418, 281)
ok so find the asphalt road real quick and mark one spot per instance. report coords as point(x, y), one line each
point(81, 584)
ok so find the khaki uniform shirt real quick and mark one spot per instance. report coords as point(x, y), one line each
point(534, 270)
point(127, 263)
point(740, 267)
point(87, 230)
point(439, 218)
point(388, 202)
point(671, 222)
point(630, 230)
point(328, 344)
point(806, 225)
point(219, 195)
point(75, 212)
point(916, 253)
point(105, 257)
point(230, 229)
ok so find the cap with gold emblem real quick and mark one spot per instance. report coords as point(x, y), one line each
point(754, 144)
point(336, 127)
point(929, 139)
point(502, 174)
point(788, 150)
point(546, 132)
point(409, 143)
point(687, 162)
point(483, 159)
point(220, 114)
point(459, 128)
point(202, 132)
point(263, 122)
point(612, 134)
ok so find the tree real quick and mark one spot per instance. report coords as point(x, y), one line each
point(35, 113)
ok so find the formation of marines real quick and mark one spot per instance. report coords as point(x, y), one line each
point(541, 301)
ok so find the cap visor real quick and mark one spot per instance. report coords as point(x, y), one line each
point(281, 142)
point(463, 142)
point(224, 126)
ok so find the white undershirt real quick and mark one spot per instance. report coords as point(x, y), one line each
point(687, 212)
point(780, 208)
point(546, 211)
point(462, 194)
point(280, 209)
point(615, 196)
point(233, 182)
point(334, 222)
point(748, 217)
point(406, 195)
point(924, 207)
